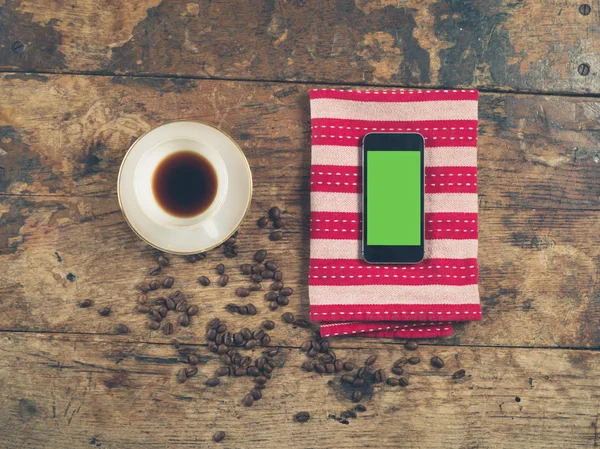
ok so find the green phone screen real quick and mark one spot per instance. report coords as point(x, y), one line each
point(393, 198)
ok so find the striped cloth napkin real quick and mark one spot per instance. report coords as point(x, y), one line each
point(349, 296)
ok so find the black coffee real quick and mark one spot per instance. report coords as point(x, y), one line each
point(184, 184)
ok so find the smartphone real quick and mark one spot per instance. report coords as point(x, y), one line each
point(393, 200)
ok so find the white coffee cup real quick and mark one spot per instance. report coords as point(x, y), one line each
point(175, 234)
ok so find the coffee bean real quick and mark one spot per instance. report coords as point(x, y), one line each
point(437, 362)
point(257, 278)
point(240, 372)
point(348, 366)
point(192, 258)
point(258, 334)
point(305, 346)
point(154, 315)
point(170, 304)
point(360, 408)
point(176, 296)
point(160, 301)
point(260, 362)
point(211, 334)
point(283, 300)
point(320, 368)
point(162, 260)
point(245, 332)
point(278, 285)
point(144, 287)
point(308, 366)
point(275, 236)
point(248, 400)
point(220, 269)
point(104, 311)
point(288, 317)
point(356, 396)
point(398, 370)
point(253, 371)
point(245, 362)
point(226, 359)
point(401, 362)
point(411, 345)
point(228, 339)
point(272, 352)
point(214, 323)
point(230, 252)
point(380, 375)
point(203, 280)
point(302, 417)
point(184, 320)
point(255, 286)
point(193, 359)
point(168, 328)
point(262, 222)
point(181, 376)
point(246, 268)
point(121, 329)
point(268, 325)
point(271, 265)
point(312, 352)
point(232, 308)
point(414, 360)
point(403, 382)
point(154, 325)
point(230, 241)
point(393, 381)
point(251, 309)
point(213, 382)
point(267, 274)
point(327, 358)
point(142, 299)
point(142, 309)
point(273, 305)
point(256, 269)
point(274, 213)
point(222, 349)
point(192, 310)
point(222, 371)
point(154, 285)
point(250, 344)
point(154, 271)
point(168, 282)
point(242, 292)
point(362, 372)
point(339, 366)
point(370, 360)
point(223, 280)
point(459, 374)
point(347, 378)
point(266, 340)
point(163, 311)
point(359, 382)
point(279, 223)
point(323, 346)
point(260, 255)
point(256, 394)
point(287, 291)
point(278, 276)
point(271, 296)
point(212, 347)
point(218, 437)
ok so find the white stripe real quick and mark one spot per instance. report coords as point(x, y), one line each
point(350, 249)
point(434, 202)
point(349, 156)
point(393, 294)
point(394, 111)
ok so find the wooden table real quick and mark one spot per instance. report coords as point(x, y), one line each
point(83, 79)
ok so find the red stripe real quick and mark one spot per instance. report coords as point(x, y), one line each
point(396, 312)
point(348, 179)
point(358, 272)
point(446, 331)
point(437, 133)
point(395, 95)
point(439, 225)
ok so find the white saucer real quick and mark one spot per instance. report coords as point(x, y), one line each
point(184, 235)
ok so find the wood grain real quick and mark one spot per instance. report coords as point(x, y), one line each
point(70, 137)
point(538, 272)
point(81, 391)
point(499, 44)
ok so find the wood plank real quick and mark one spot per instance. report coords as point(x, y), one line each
point(80, 391)
point(539, 272)
point(67, 135)
point(503, 44)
